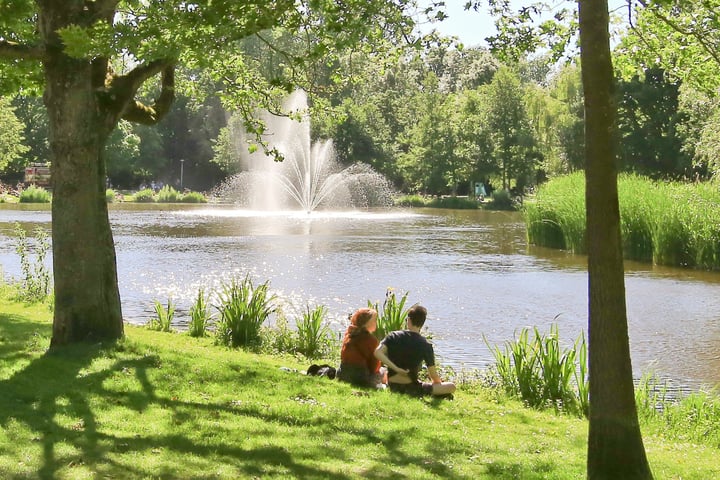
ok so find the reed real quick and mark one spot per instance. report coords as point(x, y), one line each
point(200, 316)
point(193, 197)
point(243, 308)
point(392, 315)
point(666, 223)
point(144, 196)
point(314, 338)
point(541, 373)
point(164, 315)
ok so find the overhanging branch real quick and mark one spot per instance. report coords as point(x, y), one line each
point(20, 51)
point(137, 112)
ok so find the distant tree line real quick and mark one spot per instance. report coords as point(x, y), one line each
point(439, 121)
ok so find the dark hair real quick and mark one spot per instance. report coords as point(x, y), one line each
point(417, 315)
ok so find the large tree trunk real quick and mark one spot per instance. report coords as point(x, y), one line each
point(87, 300)
point(615, 446)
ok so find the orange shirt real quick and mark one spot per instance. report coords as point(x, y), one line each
point(359, 350)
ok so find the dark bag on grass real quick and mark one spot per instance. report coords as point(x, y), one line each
point(321, 371)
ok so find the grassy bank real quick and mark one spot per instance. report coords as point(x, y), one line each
point(666, 223)
point(165, 405)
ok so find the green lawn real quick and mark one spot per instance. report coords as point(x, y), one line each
point(164, 405)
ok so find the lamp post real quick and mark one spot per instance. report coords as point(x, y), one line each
point(182, 165)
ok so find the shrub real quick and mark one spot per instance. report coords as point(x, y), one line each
point(410, 201)
point(109, 195)
point(243, 309)
point(144, 196)
point(163, 317)
point(453, 202)
point(167, 194)
point(34, 194)
point(193, 197)
point(501, 200)
point(392, 315)
point(200, 317)
point(313, 335)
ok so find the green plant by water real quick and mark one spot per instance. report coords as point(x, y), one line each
point(392, 315)
point(164, 315)
point(541, 373)
point(35, 283)
point(243, 308)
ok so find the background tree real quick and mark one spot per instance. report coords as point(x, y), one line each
point(11, 138)
point(648, 125)
point(76, 45)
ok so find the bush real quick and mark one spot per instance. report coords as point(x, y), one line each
point(34, 194)
point(109, 195)
point(193, 197)
point(35, 284)
point(410, 201)
point(167, 194)
point(144, 196)
point(243, 309)
point(463, 203)
point(501, 200)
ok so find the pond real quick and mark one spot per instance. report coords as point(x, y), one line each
point(473, 270)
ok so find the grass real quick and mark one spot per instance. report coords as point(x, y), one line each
point(667, 223)
point(166, 405)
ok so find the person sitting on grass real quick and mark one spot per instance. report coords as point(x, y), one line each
point(404, 352)
point(358, 364)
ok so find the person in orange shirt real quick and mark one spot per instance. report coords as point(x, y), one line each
point(358, 364)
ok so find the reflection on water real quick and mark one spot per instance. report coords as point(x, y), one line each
point(472, 269)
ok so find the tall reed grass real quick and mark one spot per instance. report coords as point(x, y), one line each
point(164, 315)
point(200, 316)
point(666, 223)
point(392, 315)
point(314, 337)
point(243, 308)
point(540, 372)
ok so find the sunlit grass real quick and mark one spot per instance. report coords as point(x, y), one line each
point(159, 405)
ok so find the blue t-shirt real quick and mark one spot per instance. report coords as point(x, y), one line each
point(408, 349)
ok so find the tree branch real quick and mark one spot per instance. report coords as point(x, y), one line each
point(137, 112)
point(20, 51)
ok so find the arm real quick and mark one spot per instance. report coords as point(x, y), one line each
point(434, 376)
point(381, 354)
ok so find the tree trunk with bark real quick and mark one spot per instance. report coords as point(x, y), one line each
point(615, 446)
point(85, 100)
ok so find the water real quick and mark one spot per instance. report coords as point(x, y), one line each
point(473, 270)
point(308, 178)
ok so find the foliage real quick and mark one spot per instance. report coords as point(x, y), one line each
point(541, 373)
point(167, 194)
point(453, 202)
point(34, 194)
point(11, 138)
point(162, 321)
point(502, 200)
point(392, 315)
point(410, 201)
point(35, 283)
point(144, 196)
point(666, 223)
point(314, 337)
point(110, 195)
point(243, 308)
point(200, 316)
point(193, 197)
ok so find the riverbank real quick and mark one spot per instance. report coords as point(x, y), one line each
point(170, 406)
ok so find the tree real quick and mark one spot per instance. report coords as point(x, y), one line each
point(72, 49)
point(615, 446)
point(11, 138)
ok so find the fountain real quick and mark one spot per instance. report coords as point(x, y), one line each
point(308, 178)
